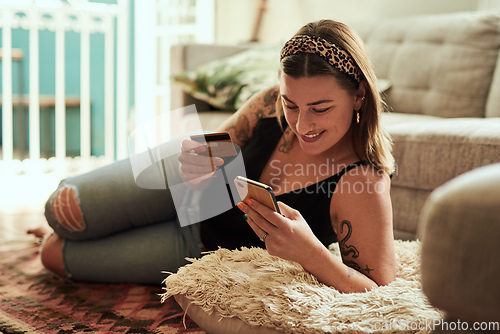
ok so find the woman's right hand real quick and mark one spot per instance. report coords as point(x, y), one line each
point(197, 170)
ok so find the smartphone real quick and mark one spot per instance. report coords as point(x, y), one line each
point(217, 144)
point(259, 191)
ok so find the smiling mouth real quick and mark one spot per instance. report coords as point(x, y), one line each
point(311, 136)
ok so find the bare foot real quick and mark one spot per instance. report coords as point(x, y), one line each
point(39, 232)
point(51, 255)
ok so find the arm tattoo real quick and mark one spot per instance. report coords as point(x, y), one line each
point(259, 113)
point(260, 107)
point(344, 248)
point(349, 250)
point(242, 129)
point(367, 269)
point(270, 100)
point(266, 106)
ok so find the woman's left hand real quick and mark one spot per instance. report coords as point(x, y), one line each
point(288, 234)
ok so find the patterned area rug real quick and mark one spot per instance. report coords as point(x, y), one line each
point(32, 301)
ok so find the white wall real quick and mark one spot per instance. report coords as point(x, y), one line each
point(235, 18)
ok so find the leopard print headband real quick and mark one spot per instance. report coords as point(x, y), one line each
point(334, 55)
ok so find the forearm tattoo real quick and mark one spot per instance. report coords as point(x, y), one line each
point(350, 251)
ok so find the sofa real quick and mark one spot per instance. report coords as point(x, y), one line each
point(440, 81)
point(440, 78)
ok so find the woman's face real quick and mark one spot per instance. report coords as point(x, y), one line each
point(318, 111)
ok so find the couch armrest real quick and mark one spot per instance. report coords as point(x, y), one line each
point(189, 56)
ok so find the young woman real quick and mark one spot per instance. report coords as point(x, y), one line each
point(315, 138)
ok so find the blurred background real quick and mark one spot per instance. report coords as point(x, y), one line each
point(77, 76)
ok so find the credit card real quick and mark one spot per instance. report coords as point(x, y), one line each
point(218, 144)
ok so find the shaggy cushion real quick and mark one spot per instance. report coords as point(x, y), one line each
point(250, 291)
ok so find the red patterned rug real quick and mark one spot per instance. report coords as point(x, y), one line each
point(31, 301)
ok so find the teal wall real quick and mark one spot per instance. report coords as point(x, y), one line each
point(20, 73)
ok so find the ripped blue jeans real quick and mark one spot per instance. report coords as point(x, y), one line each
point(117, 232)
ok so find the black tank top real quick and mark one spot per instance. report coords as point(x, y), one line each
point(230, 230)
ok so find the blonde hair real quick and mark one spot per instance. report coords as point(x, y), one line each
point(371, 141)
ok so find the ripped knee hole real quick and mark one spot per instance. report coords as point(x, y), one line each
point(67, 210)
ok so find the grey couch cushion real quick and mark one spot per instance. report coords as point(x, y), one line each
point(440, 65)
point(431, 152)
point(493, 104)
